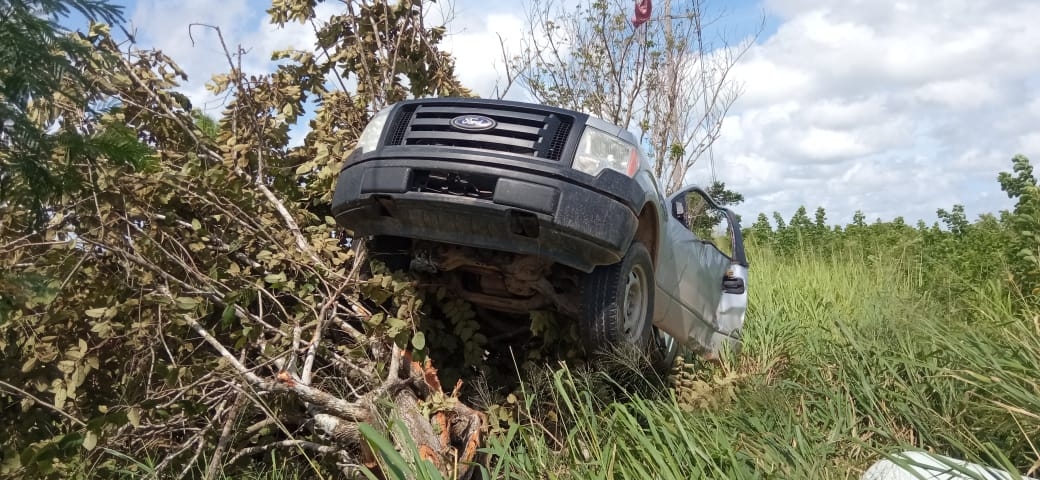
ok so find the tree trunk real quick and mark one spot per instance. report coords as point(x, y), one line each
point(450, 436)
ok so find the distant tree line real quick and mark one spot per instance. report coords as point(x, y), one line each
point(1000, 246)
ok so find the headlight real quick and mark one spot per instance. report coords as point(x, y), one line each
point(598, 150)
point(369, 138)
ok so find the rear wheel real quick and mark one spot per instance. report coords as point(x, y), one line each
point(618, 308)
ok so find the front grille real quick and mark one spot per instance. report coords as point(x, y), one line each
point(452, 183)
point(518, 130)
point(559, 140)
point(400, 125)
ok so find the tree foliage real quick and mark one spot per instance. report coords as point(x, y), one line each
point(192, 309)
point(722, 195)
point(44, 97)
point(1023, 222)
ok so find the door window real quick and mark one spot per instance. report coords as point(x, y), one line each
point(708, 221)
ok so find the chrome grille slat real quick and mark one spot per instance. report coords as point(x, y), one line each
point(521, 131)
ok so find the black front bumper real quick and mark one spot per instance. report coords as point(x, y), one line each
point(507, 209)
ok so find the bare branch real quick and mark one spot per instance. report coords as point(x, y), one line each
point(225, 437)
point(296, 445)
point(161, 466)
point(285, 382)
point(51, 406)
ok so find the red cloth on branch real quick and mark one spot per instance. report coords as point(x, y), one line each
point(643, 8)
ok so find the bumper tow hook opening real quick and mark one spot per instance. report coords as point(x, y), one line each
point(523, 223)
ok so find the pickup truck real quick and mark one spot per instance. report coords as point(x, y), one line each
point(521, 207)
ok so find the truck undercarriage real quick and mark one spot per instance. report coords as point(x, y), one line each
point(495, 280)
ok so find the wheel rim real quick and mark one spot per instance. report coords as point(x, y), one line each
point(636, 302)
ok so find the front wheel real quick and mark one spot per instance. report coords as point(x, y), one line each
point(617, 308)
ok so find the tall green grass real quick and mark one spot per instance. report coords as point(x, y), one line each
point(845, 362)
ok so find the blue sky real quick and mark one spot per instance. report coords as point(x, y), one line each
point(892, 107)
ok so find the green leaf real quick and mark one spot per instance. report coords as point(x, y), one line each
point(395, 322)
point(195, 224)
point(389, 456)
point(60, 394)
point(419, 341)
point(90, 440)
point(228, 314)
point(134, 416)
point(396, 326)
point(275, 278)
point(73, 439)
point(186, 303)
point(96, 312)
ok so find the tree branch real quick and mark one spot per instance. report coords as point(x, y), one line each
point(294, 444)
point(285, 382)
point(16, 390)
point(225, 437)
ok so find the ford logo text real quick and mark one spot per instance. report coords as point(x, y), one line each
point(473, 122)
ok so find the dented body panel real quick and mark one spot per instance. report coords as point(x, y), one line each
point(693, 306)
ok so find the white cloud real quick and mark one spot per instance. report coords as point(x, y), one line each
point(760, 173)
point(476, 45)
point(1029, 142)
point(825, 144)
point(784, 82)
point(893, 108)
point(959, 94)
point(846, 112)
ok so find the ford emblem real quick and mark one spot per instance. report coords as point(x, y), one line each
point(473, 122)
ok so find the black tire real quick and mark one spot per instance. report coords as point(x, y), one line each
point(617, 308)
